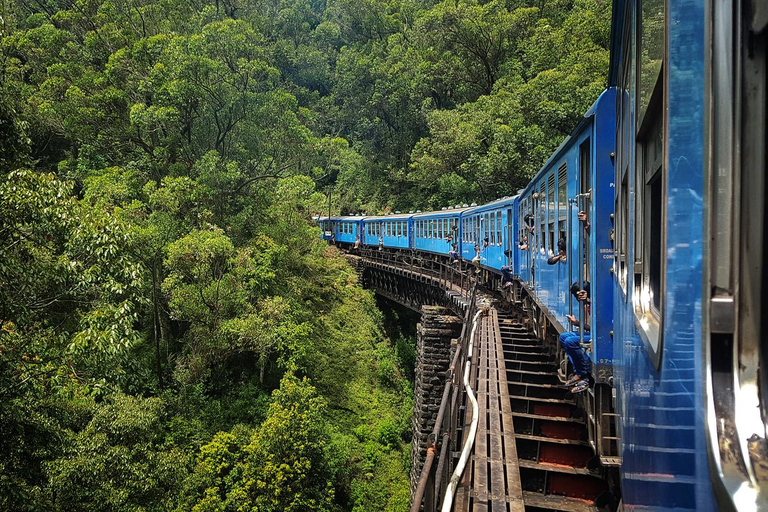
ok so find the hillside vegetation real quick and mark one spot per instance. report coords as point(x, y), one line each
point(173, 333)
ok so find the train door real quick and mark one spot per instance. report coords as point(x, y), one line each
point(585, 204)
point(735, 324)
point(509, 248)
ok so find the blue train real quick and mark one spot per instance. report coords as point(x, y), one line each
point(657, 200)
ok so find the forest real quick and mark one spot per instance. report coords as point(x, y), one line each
point(174, 335)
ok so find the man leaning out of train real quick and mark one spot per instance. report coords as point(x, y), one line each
point(571, 342)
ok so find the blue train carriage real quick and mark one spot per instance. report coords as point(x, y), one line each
point(324, 223)
point(494, 222)
point(432, 229)
point(690, 257)
point(345, 230)
point(394, 230)
point(578, 176)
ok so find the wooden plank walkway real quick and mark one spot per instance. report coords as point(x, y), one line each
point(491, 481)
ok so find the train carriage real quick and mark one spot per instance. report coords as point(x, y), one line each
point(578, 177)
point(394, 230)
point(690, 260)
point(342, 229)
point(495, 222)
point(432, 229)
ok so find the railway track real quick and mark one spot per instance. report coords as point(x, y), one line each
point(554, 456)
point(531, 451)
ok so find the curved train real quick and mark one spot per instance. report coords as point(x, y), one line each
point(669, 168)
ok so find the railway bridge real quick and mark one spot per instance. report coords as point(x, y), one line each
point(494, 429)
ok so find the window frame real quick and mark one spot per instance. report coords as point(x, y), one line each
point(649, 320)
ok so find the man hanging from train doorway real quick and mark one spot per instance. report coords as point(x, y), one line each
point(572, 344)
point(571, 341)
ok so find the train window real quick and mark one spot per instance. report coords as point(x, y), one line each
point(562, 201)
point(498, 228)
point(487, 227)
point(492, 239)
point(542, 216)
point(551, 212)
point(625, 132)
point(651, 51)
point(650, 182)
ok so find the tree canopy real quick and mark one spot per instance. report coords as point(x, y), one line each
point(173, 333)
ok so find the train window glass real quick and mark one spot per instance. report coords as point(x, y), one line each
point(487, 229)
point(492, 240)
point(624, 223)
point(653, 205)
point(625, 133)
point(650, 221)
point(498, 228)
point(651, 50)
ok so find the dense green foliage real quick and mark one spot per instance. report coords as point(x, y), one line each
point(173, 333)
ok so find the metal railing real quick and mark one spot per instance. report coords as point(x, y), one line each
point(458, 276)
point(434, 481)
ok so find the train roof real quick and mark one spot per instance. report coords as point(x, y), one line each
point(448, 212)
point(566, 144)
point(504, 201)
point(393, 216)
point(345, 217)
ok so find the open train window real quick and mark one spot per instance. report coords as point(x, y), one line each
point(650, 179)
point(543, 216)
point(624, 136)
point(551, 213)
point(584, 204)
point(498, 228)
point(562, 202)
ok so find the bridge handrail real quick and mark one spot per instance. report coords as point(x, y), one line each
point(446, 421)
point(448, 274)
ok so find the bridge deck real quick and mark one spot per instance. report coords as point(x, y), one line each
point(492, 479)
point(529, 452)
